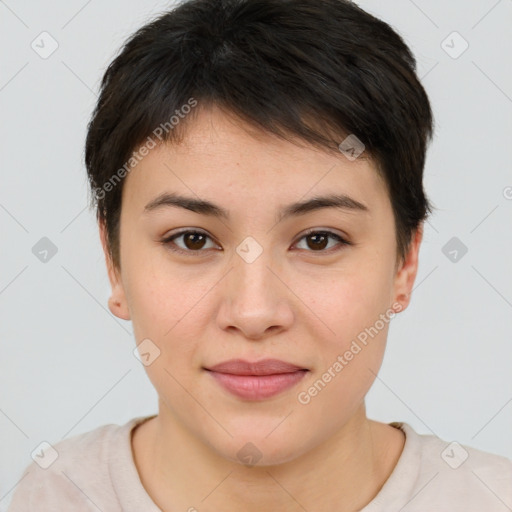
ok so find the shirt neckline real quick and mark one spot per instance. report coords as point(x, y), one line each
point(393, 495)
point(123, 471)
point(395, 492)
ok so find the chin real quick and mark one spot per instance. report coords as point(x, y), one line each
point(251, 448)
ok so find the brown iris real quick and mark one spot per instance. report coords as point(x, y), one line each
point(320, 240)
point(194, 241)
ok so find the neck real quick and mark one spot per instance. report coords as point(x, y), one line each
point(344, 473)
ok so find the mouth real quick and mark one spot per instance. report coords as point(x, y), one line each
point(256, 380)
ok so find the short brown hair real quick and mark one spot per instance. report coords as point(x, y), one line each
point(306, 68)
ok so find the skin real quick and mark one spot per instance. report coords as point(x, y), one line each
point(295, 302)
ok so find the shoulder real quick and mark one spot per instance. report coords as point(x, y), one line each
point(73, 471)
point(460, 477)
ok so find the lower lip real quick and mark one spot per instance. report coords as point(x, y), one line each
point(257, 387)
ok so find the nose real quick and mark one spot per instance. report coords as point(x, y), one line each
point(255, 300)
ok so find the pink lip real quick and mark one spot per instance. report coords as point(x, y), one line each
point(256, 380)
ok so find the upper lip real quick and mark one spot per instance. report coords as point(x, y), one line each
point(263, 367)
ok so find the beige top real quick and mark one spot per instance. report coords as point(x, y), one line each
point(96, 471)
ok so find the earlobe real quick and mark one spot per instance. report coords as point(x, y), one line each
point(118, 308)
point(406, 274)
point(117, 303)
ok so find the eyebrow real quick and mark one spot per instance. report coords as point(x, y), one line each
point(339, 201)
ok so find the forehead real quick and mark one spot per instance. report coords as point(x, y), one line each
point(224, 159)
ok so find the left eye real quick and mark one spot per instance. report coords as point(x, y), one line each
point(195, 241)
point(319, 240)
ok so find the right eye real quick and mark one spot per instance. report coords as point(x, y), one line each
point(192, 241)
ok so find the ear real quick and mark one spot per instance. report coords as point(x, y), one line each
point(406, 273)
point(117, 302)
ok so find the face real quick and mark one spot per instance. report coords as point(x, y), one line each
point(249, 277)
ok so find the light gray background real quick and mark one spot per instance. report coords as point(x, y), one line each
point(66, 363)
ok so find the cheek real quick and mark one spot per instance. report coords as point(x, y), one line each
point(357, 311)
point(156, 293)
point(164, 309)
point(171, 310)
point(354, 301)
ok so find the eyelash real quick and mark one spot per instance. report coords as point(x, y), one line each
point(169, 241)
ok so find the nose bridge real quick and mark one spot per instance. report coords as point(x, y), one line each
point(252, 277)
point(254, 299)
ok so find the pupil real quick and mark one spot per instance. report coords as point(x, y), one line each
point(317, 245)
point(191, 241)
